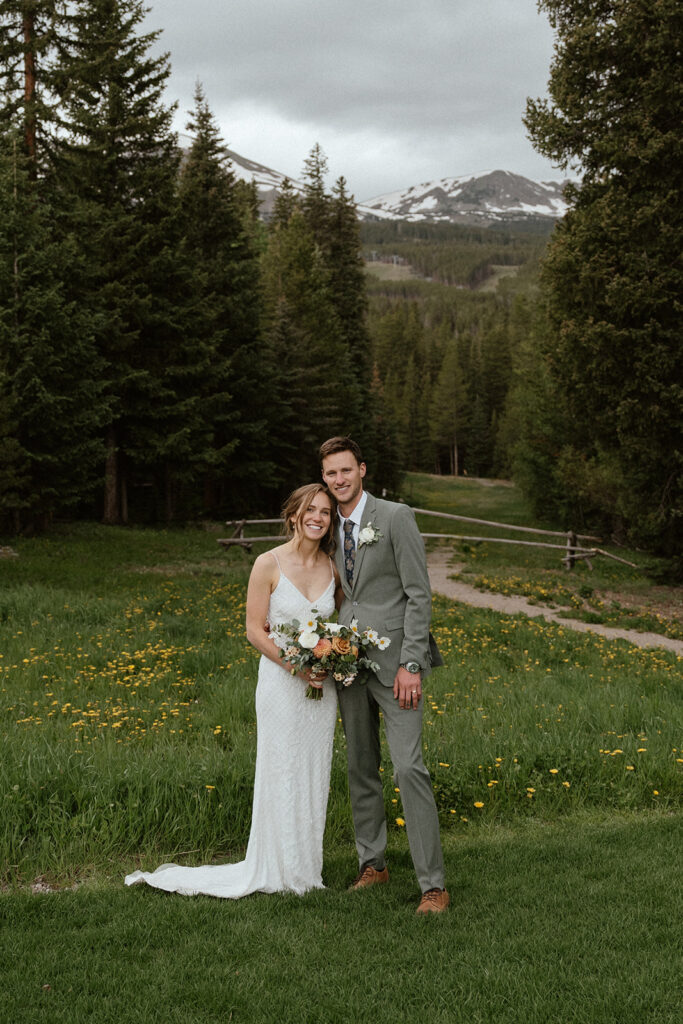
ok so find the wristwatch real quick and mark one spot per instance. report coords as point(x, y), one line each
point(411, 666)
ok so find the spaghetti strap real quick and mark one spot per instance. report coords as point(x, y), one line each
point(277, 560)
point(331, 567)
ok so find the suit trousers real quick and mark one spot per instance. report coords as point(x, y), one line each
point(360, 705)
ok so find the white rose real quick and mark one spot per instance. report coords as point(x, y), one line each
point(308, 640)
point(366, 535)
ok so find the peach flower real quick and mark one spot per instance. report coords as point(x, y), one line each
point(323, 647)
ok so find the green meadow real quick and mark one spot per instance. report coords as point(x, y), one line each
point(128, 737)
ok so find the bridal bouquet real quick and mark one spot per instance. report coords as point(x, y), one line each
point(328, 648)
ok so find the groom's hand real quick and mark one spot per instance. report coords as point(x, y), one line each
point(408, 688)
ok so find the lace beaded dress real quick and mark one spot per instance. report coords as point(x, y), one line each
point(291, 785)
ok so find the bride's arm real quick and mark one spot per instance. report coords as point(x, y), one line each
point(262, 582)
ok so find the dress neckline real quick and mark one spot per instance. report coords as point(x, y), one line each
point(283, 576)
point(300, 592)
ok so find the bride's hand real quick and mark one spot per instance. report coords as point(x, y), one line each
point(314, 677)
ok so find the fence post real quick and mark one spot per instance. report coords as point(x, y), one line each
point(570, 558)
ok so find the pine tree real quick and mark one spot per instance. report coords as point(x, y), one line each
point(611, 276)
point(117, 169)
point(349, 294)
point(30, 31)
point(218, 222)
point(447, 414)
point(304, 346)
point(50, 371)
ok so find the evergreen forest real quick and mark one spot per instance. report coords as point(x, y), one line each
point(168, 354)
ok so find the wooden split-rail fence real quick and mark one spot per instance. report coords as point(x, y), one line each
point(573, 548)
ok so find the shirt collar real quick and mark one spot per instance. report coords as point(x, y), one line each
point(357, 513)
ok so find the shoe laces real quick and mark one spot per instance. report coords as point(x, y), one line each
point(431, 896)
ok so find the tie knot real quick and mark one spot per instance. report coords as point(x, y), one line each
point(348, 527)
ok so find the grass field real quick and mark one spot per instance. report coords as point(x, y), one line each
point(128, 731)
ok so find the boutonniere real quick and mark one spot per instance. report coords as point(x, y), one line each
point(369, 535)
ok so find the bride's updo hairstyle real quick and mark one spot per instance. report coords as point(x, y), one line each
point(296, 505)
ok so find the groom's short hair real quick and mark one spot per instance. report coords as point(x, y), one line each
point(340, 444)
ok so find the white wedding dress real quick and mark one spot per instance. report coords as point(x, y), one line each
point(291, 785)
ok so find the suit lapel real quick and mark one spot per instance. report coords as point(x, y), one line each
point(339, 562)
point(368, 513)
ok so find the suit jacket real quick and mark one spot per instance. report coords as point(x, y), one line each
point(390, 591)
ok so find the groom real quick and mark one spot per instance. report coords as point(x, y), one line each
point(383, 569)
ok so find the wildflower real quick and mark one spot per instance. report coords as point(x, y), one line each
point(530, 789)
point(553, 771)
point(629, 768)
point(209, 787)
point(566, 784)
point(400, 822)
point(478, 803)
point(444, 764)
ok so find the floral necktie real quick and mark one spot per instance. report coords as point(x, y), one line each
point(349, 550)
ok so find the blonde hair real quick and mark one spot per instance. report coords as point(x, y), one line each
point(301, 499)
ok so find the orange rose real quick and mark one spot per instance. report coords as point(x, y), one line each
point(323, 647)
point(354, 650)
point(340, 645)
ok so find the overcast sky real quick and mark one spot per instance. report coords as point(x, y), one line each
point(397, 92)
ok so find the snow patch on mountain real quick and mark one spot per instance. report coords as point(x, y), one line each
point(489, 196)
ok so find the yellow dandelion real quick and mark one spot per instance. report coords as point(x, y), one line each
point(553, 771)
point(566, 784)
point(478, 803)
point(530, 789)
point(629, 768)
point(444, 764)
point(400, 821)
point(209, 787)
point(655, 792)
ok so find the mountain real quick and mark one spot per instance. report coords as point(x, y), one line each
point(491, 197)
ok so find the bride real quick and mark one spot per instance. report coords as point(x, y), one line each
point(294, 733)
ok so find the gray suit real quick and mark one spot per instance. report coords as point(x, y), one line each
point(390, 592)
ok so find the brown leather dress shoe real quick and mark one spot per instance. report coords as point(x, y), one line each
point(369, 876)
point(434, 901)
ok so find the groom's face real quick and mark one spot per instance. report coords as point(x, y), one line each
point(344, 477)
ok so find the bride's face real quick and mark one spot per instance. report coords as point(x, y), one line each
point(313, 520)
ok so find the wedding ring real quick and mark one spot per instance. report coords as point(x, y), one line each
point(414, 691)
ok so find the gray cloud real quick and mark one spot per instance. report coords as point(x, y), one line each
point(395, 91)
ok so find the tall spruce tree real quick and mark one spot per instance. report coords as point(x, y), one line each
point(117, 168)
point(219, 227)
point(611, 277)
point(30, 31)
point(50, 371)
point(304, 347)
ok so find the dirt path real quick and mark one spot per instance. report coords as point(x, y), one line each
point(439, 563)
